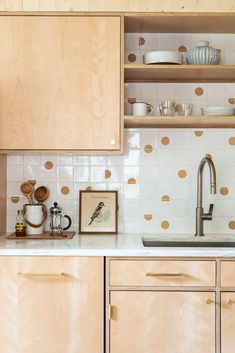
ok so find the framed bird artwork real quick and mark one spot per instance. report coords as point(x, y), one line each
point(98, 212)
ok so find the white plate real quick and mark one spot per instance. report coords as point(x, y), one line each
point(219, 113)
point(219, 108)
point(162, 57)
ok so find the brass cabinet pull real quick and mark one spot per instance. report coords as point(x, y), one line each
point(154, 274)
point(27, 275)
point(208, 301)
point(230, 301)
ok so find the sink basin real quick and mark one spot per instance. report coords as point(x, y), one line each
point(195, 243)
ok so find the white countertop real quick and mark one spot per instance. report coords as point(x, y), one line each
point(110, 245)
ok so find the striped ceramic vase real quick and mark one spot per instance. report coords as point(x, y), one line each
point(203, 54)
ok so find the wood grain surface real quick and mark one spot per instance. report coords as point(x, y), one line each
point(51, 314)
point(60, 83)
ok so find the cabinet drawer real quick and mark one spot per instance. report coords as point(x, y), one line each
point(228, 273)
point(162, 273)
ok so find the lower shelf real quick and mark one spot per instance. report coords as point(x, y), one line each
point(179, 121)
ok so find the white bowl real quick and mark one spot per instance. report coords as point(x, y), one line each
point(163, 57)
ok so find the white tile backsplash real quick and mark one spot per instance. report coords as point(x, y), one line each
point(156, 192)
point(155, 175)
point(152, 175)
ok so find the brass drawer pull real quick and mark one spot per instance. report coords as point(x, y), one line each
point(208, 301)
point(230, 301)
point(27, 275)
point(154, 274)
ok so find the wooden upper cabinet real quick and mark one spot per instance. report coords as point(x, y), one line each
point(60, 82)
point(44, 312)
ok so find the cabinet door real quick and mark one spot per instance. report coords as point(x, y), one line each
point(51, 313)
point(227, 322)
point(59, 83)
point(162, 322)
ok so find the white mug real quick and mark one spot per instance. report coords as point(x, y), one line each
point(142, 108)
point(34, 215)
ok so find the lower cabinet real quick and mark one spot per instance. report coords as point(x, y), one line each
point(228, 322)
point(162, 322)
point(51, 304)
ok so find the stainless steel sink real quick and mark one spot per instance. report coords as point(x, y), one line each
point(195, 243)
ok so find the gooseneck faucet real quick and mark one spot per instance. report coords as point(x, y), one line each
point(200, 215)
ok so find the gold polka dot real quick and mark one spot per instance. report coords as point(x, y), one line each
point(131, 100)
point(88, 188)
point(198, 133)
point(131, 181)
point(131, 58)
point(148, 148)
point(32, 182)
point(182, 49)
point(15, 199)
point(232, 140)
point(165, 140)
point(224, 190)
point(148, 217)
point(165, 224)
point(199, 91)
point(182, 173)
point(48, 165)
point(107, 174)
point(231, 100)
point(165, 198)
point(65, 190)
point(141, 41)
point(231, 225)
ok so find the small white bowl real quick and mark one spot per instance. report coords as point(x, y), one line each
point(163, 57)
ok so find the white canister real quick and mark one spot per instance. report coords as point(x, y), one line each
point(34, 218)
point(141, 108)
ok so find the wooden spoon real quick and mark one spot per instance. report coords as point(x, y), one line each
point(27, 190)
point(41, 194)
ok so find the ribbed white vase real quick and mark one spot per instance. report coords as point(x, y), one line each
point(203, 54)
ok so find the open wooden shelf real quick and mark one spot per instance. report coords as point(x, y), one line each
point(180, 22)
point(179, 121)
point(179, 73)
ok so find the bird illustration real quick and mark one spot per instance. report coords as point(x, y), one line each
point(97, 211)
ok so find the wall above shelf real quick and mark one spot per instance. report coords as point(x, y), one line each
point(179, 121)
point(180, 22)
point(179, 73)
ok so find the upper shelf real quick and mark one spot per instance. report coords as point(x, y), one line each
point(179, 121)
point(180, 23)
point(179, 73)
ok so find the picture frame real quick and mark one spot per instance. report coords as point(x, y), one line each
point(98, 212)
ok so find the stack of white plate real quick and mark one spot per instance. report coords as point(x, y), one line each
point(218, 110)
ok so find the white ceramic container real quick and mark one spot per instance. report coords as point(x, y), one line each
point(163, 57)
point(34, 215)
point(203, 54)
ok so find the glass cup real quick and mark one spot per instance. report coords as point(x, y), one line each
point(185, 109)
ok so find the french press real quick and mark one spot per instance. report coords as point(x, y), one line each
point(56, 218)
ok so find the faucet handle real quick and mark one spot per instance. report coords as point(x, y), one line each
point(208, 216)
point(211, 209)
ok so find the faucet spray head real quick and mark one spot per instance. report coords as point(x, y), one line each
point(213, 188)
point(212, 173)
